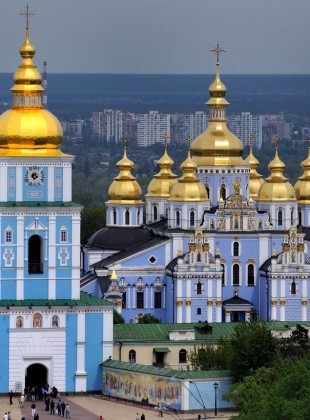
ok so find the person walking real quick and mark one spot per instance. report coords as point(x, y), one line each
point(5, 416)
point(137, 416)
point(142, 416)
point(63, 408)
point(52, 405)
point(68, 416)
point(33, 409)
point(9, 415)
point(21, 401)
point(11, 397)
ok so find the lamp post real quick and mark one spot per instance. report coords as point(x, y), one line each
point(201, 403)
point(215, 386)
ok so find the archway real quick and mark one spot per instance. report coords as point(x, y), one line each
point(36, 375)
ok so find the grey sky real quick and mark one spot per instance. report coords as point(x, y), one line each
point(160, 36)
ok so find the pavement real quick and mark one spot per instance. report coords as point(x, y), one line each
point(92, 407)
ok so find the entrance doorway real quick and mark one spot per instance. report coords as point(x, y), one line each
point(36, 375)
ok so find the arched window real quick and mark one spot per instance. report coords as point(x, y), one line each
point(114, 217)
point(124, 299)
point(19, 322)
point(236, 249)
point(127, 217)
point(192, 218)
point(208, 190)
point(198, 257)
point(236, 271)
point(293, 288)
point(177, 217)
point(182, 356)
point(157, 299)
point(155, 210)
point(140, 300)
point(8, 235)
point(199, 288)
point(198, 311)
point(292, 216)
point(280, 218)
point(138, 217)
point(223, 192)
point(250, 275)
point(223, 274)
point(35, 255)
point(132, 356)
point(63, 234)
point(299, 218)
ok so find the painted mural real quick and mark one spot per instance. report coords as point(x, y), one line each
point(143, 388)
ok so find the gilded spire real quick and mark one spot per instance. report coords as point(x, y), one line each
point(256, 180)
point(217, 146)
point(162, 182)
point(276, 187)
point(125, 188)
point(302, 186)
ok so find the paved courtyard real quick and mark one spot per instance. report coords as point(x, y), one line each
point(91, 407)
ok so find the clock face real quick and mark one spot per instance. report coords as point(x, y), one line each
point(34, 176)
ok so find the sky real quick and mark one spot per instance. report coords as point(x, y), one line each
point(160, 36)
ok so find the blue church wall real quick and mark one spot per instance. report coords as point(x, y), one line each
point(93, 350)
point(58, 182)
point(143, 258)
point(63, 287)
point(293, 310)
point(64, 222)
point(206, 391)
point(36, 287)
point(37, 193)
point(4, 353)
point(8, 285)
point(11, 183)
point(71, 356)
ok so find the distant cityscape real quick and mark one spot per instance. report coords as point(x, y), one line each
point(113, 125)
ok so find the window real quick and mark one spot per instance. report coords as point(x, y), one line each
point(280, 218)
point(182, 356)
point(63, 235)
point(114, 217)
point(192, 218)
point(293, 288)
point(8, 235)
point(250, 275)
point(199, 288)
point(198, 311)
point(127, 217)
point(212, 224)
point(132, 356)
point(223, 192)
point(223, 274)
point(236, 270)
point(157, 300)
point(35, 255)
point(155, 210)
point(124, 302)
point(292, 216)
point(208, 191)
point(236, 249)
point(177, 217)
point(140, 300)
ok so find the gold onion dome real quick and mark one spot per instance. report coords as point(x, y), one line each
point(276, 187)
point(162, 182)
point(124, 188)
point(256, 180)
point(188, 187)
point(302, 186)
point(217, 145)
point(27, 129)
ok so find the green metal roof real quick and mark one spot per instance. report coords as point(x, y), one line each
point(169, 373)
point(85, 300)
point(161, 350)
point(39, 204)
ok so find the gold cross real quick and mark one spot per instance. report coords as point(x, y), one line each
point(251, 137)
point(27, 12)
point(125, 141)
point(189, 139)
point(166, 138)
point(218, 50)
point(276, 139)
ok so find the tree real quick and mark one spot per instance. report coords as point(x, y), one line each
point(92, 220)
point(118, 318)
point(148, 319)
point(208, 357)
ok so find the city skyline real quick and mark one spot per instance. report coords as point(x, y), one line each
point(162, 36)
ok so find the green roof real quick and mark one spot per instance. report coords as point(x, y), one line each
point(85, 300)
point(161, 350)
point(169, 373)
point(39, 204)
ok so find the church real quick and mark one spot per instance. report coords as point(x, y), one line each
point(51, 332)
point(219, 243)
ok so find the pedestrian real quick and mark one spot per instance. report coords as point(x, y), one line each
point(142, 416)
point(23, 417)
point(9, 415)
point(11, 397)
point(21, 401)
point(5, 416)
point(100, 418)
point(63, 408)
point(47, 404)
point(161, 412)
point(52, 405)
point(36, 417)
point(68, 416)
point(137, 416)
point(33, 409)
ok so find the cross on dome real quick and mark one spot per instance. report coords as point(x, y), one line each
point(218, 51)
point(27, 12)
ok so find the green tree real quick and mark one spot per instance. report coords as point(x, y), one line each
point(208, 357)
point(118, 318)
point(148, 319)
point(92, 220)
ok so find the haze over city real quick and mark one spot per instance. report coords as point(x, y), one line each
point(161, 36)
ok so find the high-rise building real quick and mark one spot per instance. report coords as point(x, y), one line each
point(276, 126)
point(246, 125)
point(152, 128)
point(112, 125)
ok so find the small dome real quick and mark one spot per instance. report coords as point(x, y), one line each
point(217, 146)
point(276, 187)
point(188, 187)
point(125, 188)
point(162, 182)
point(302, 186)
point(27, 129)
point(256, 180)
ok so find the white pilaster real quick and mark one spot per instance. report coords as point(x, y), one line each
point(67, 183)
point(52, 257)
point(188, 311)
point(50, 184)
point(219, 313)
point(179, 312)
point(304, 311)
point(210, 312)
point(282, 311)
point(227, 316)
point(76, 223)
point(80, 374)
point(20, 258)
point(107, 335)
point(19, 183)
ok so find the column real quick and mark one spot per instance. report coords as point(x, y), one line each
point(21, 251)
point(179, 311)
point(274, 310)
point(227, 316)
point(107, 334)
point(52, 257)
point(282, 310)
point(50, 183)
point(247, 315)
point(210, 311)
point(76, 225)
point(304, 310)
point(218, 311)
point(80, 374)
point(188, 311)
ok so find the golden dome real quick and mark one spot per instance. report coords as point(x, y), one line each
point(276, 187)
point(217, 145)
point(162, 182)
point(125, 188)
point(302, 186)
point(28, 129)
point(188, 187)
point(256, 180)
